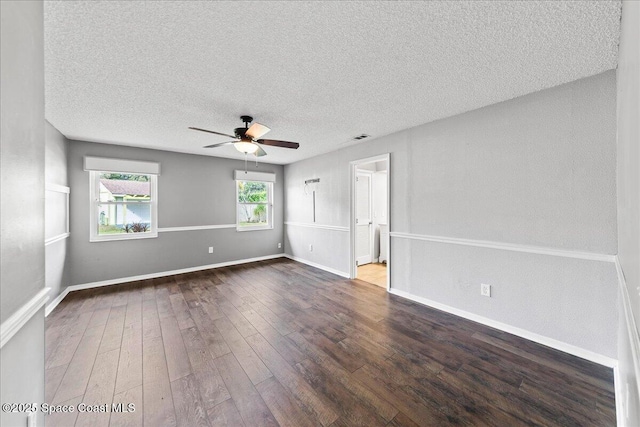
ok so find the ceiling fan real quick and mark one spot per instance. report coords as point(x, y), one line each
point(246, 139)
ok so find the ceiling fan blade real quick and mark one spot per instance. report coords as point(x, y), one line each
point(256, 131)
point(259, 152)
point(276, 143)
point(214, 132)
point(219, 144)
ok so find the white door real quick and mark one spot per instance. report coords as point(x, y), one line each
point(363, 219)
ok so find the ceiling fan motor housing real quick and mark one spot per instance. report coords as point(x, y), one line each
point(240, 132)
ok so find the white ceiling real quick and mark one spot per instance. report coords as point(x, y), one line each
point(139, 73)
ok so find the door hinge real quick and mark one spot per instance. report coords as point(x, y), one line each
point(356, 263)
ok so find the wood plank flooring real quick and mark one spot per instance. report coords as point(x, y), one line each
point(281, 343)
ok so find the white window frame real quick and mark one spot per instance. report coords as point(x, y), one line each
point(269, 225)
point(94, 201)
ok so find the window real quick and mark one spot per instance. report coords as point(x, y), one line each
point(123, 206)
point(255, 203)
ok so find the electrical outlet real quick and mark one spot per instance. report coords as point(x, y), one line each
point(210, 249)
point(279, 245)
point(485, 290)
point(310, 248)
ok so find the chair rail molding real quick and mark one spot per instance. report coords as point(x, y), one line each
point(540, 250)
point(17, 320)
point(56, 238)
point(194, 228)
point(49, 186)
point(314, 225)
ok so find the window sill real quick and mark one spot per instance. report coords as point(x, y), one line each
point(241, 229)
point(122, 237)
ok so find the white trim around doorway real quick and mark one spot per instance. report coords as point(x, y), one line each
point(353, 166)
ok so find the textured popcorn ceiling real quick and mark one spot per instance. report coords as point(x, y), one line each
point(139, 73)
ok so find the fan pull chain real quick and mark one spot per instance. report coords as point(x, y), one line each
point(245, 162)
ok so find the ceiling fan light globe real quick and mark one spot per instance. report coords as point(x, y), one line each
point(246, 147)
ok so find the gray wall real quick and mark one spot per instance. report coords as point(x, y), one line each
point(22, 199)
point(536, 170)
point(55, 172)
point(192, 190)
point(629, 198)
point(55, 156)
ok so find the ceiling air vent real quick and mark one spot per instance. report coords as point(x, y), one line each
point(361, 136)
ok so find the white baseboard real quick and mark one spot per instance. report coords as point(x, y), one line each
point(531, 336)
point(54, 303)
point(634, 340)
point(320, 266)
point(17, 320)
point(618, 391)
point(117, 281)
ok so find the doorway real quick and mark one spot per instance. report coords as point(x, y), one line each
point(370, 220)
point(364, 216)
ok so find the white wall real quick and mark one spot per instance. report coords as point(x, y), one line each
point(628, 173)
point(22, 201)
point(537, 170)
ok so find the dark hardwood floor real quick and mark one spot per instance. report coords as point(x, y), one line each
point(280, 343)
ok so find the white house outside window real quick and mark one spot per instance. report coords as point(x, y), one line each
point(124, 205)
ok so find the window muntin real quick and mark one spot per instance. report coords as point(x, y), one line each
point(123, 206)
point(254, 205)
